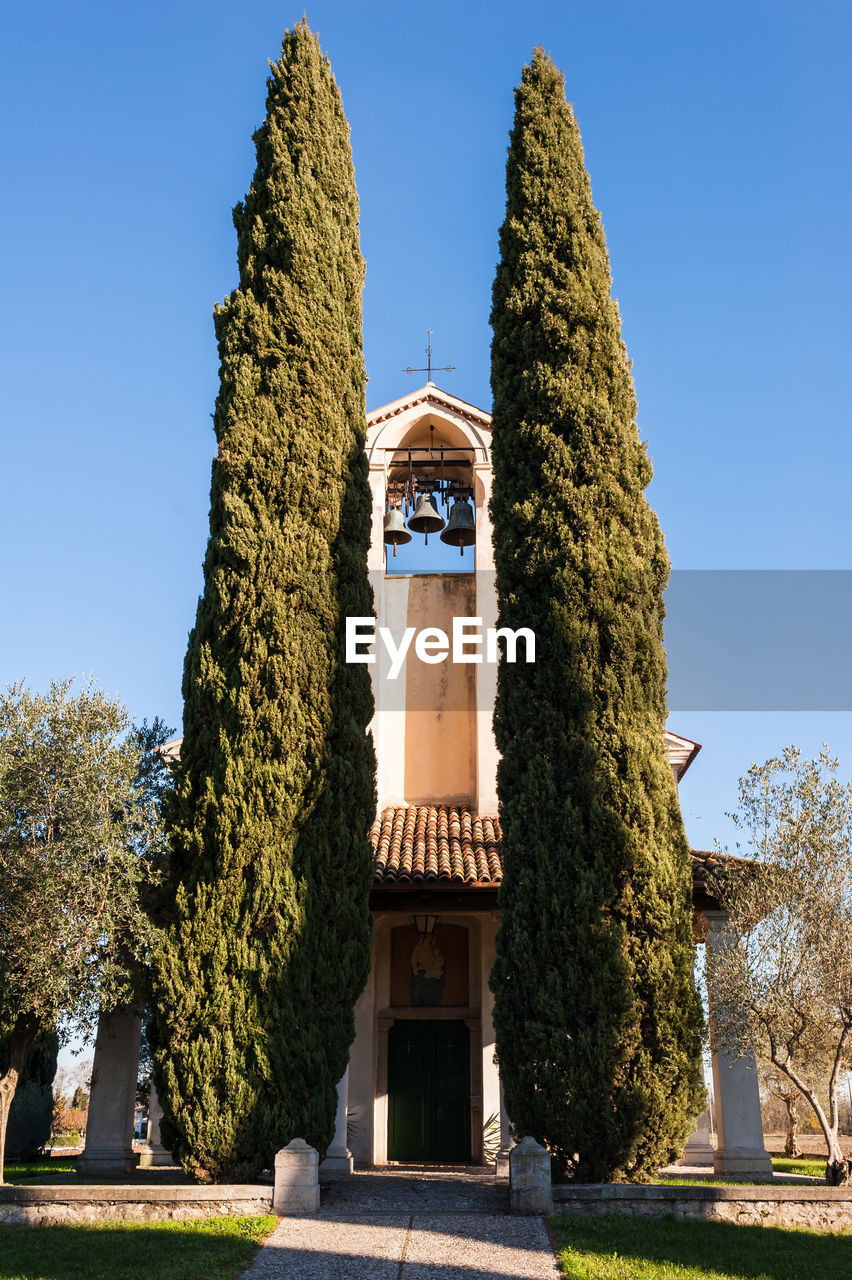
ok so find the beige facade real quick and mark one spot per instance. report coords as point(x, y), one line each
point(436, 755)
point(435, 747)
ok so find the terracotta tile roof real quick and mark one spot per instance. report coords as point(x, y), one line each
point(436, 842)
point(441, 842)
point(706, 862)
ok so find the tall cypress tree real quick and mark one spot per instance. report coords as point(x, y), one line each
point(269, 946)
point(596, 1015)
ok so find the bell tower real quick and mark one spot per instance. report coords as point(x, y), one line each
point(430, 477)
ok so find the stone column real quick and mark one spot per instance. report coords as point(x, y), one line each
point(109, 1129)
point(491, 1094)
point(154, 1153)
point(698, 1152)
point(507, 1142)
point(740, 1148)
point(338, 1159)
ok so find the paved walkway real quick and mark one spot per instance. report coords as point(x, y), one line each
point(410, 1224)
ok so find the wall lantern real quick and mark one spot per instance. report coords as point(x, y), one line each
point(424, 925)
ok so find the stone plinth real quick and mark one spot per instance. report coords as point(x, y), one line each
point(529, 1178)
point(154, 1154)
point(741, 1150)
point(698, 1152)
point(296, 1188)
point(109, 1129)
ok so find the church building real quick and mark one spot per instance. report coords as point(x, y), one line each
point(422, 1083)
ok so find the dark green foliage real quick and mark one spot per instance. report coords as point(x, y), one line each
point(153, 788)
point(30, 1117)
point(597, 1019)
point(40, 1067)
point(153, 776)
point(269, 945)
point(32, 1106)
point(145, 1070)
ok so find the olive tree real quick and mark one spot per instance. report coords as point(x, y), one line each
point(782, 979)
point(79, 843)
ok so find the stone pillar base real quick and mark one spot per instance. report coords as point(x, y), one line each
point(698, 1152)
point(501, 1164)
point(740, 1161)
point(335, 1166)
point(106, 1162)
point(154, 1157)
point(154, 1154)
point(698, 1155)
point(529, 1178)
point(296, 1189)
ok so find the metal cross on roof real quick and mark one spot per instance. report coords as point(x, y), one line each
point(444, 368)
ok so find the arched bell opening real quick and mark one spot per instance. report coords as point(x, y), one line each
point(430, 493)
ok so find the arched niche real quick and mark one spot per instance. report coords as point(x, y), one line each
point(429, 422)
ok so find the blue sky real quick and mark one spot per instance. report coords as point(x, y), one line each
point(717, 142)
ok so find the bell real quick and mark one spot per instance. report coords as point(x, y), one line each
point(426, 518)
point(395, 531)
point(461, 530)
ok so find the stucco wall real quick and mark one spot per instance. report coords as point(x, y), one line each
point(428, 751)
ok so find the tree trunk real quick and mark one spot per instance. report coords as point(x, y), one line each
point(22, 1036)
point(791, 1144)
point(838, 1173)
point(838, 1170)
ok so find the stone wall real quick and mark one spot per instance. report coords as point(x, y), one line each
point(821, 1208)
point(54, 1205)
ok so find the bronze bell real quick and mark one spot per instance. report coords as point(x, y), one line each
point(426, 518)
point(461, 530)
point(395, 531)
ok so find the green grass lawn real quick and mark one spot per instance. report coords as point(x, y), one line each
point(212, 1249)
point(19, 1170)
point(807, 1166)
point(624, 1248)
point(804, 1167)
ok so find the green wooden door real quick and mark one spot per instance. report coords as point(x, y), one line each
point(429, 1091)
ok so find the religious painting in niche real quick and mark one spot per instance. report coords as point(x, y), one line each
point(429, 971)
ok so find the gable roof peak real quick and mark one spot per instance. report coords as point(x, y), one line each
point(429, 394)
